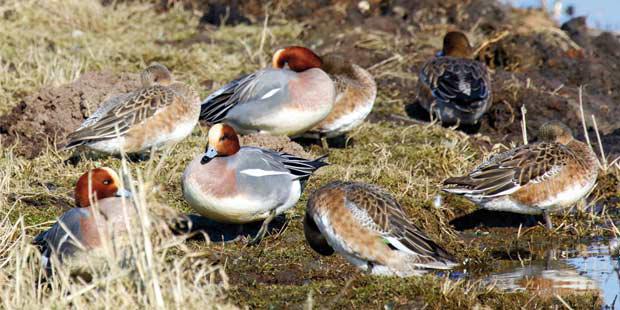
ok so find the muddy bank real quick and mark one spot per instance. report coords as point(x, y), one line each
point(536, 64)
point(46, 117)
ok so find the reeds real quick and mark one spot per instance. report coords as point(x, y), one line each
point(150, 267)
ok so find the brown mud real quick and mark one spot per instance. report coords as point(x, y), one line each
point(536, 65)
point(45, 118)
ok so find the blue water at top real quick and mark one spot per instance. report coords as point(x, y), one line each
point(602, 14)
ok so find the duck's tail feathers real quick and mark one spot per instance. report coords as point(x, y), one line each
point(72, 144)
point(40, 241)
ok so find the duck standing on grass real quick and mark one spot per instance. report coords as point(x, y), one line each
point(277, 101)
point(356, 91)
point(161, 113)
point(454, 87)
point(368, 227)
point(82, 229)
point(234, 184)
point(536, 178)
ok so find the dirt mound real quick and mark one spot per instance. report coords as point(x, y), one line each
point(546, 76)
point(46, 117)
point(544, 100)
point(276, 143)
point(537, 64)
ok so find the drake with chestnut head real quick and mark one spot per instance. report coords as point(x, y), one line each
point(536, 178)
point(356, 91)
point(233, 184)
point(82, 229)
point(161, 113)
point(288, 99)
point(452, 86)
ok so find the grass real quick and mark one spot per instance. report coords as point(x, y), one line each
point(49, 43)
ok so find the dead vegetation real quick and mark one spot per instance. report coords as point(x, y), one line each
point(55, 68)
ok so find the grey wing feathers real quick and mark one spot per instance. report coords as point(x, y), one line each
point(300, 167)
point(56, 240)
point(264, 86)
point(215, 107)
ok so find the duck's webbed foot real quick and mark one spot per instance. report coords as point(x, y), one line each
point(263, 229)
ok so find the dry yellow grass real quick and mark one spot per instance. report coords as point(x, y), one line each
point(53, 42)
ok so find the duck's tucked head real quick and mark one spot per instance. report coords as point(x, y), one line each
point(555, 131)
point(298, 58)
point(314, 237)
point(456, 44)
point(223, 141)
point(97, 184)
point(156, 74)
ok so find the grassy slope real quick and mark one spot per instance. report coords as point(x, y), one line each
point(42, 48)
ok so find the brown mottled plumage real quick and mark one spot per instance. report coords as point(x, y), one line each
point(356, 91)
point(532, 179)
point(366, 225)
point(161, 112)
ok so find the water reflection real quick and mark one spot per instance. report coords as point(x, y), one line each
point(589, 270)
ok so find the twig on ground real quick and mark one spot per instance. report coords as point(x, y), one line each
point(385, 61)
point(495, 39)
point(523, 124)
point(583, 118)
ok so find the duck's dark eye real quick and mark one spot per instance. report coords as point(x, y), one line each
point(107, 182)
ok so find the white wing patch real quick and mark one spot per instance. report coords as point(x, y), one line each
point(45, 260)
point(270, 93)
point(465, 87)
point(399, 245)
point(261, 172)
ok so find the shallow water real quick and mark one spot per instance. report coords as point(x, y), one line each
point(590, 269)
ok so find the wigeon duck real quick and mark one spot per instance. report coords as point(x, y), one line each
point(82, 229)
point(234, 184)
point(454, 87)
point(162, 112)
point(368, 227)
point(356, 91)
point(536, 178)
point(278, 100)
